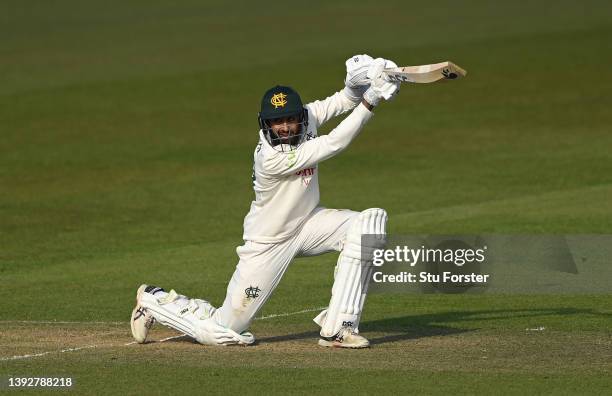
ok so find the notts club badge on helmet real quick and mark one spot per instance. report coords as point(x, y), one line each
point(279, 100)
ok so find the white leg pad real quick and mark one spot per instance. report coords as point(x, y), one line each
point(351, 278)
point(193, 318)
point(176, 311)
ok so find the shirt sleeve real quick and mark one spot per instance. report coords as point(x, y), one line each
point(311, 152)
point(332, 106)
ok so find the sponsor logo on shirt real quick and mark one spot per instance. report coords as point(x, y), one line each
point(306, 175)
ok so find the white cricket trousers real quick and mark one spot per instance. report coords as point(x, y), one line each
point(262, 265)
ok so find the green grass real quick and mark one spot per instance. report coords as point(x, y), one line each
point(126, 138)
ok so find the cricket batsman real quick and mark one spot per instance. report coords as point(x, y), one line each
point(286, 221)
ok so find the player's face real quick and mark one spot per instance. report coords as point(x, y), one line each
point(285, 127)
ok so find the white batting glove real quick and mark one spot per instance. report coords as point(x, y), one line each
point(356, 71)
point(389, 64)
point(390, 94)
point(356, 80)
point(380, 88)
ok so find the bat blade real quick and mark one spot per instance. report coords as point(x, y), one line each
point(425, 73)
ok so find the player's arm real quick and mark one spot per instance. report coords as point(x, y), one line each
point(333, 106)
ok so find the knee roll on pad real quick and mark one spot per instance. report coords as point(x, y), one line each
point(371, 224)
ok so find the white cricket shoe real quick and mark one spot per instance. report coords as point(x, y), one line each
point(141, 320)
point(345, 338)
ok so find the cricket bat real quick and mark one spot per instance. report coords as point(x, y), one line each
point(425, 73)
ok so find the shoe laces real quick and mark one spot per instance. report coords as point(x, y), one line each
point(344, 332)
point(149, 322)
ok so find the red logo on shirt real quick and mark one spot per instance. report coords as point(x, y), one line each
point(306, 175)
point(306, 172)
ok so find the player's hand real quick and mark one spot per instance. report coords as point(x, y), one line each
point(391, 92)
point(380, 88)
point(357, 71)
point(389, 64)
point(358, 68)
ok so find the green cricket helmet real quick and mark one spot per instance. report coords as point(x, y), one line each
point(280, 102)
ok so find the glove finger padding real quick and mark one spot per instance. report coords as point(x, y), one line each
point(389, 90)
point(380, 89)
point(357, 62)
point(389, 64)
point(376, 68)
point(356, 71)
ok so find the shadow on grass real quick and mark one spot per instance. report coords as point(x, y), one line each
point(428, 325)
point(432, 325)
